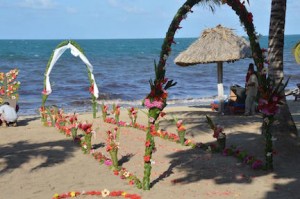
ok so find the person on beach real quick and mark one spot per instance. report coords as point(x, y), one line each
point(251, 90)
point(8, 115)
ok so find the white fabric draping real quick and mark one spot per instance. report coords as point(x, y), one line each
point(75, 52)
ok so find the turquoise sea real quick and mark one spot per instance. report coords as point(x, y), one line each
point(122, 69)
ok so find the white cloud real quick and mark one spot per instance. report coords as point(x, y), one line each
point(37, 4)
point(125, 7)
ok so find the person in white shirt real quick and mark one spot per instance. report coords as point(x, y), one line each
point(251, 91)
point(8, 114)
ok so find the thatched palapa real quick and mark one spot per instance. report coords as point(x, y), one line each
point(215, 45)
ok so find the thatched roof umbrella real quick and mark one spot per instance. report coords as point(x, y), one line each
point(215, 45)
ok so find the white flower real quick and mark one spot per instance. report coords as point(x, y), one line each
point(105, 193)
point(84, 146)
point(126, 174)
point(13, 97)
point(269, 154)
point(152, 161)
point(151, 119)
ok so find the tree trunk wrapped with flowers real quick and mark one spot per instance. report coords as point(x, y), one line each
point(268, 104)
point(157, 99)
point(112, 146)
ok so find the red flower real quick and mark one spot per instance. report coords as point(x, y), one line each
point(91, 89)
point(116, 172)
point(148, 143)
point(147, 158)
point(250, 17)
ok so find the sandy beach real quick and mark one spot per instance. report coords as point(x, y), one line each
point(37, 161)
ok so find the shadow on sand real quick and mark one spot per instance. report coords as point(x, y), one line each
point(197, 164)
point(19, 153)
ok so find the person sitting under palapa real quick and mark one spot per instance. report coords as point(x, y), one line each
point(251, 90)
point(8, 115)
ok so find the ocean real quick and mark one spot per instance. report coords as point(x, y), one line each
point(122, 69)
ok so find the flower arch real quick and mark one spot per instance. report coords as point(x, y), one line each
point(156, 100)
point(77, 51)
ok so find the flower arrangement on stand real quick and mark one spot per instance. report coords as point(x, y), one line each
point(112, 146)
point(132, 113)
point(73, 125)
point(104, 110)
point(86, 141)
point(181, 130)
point(8, 85)
point(116, 112)
point(218, 133)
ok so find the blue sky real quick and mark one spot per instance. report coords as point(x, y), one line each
point(104, 19)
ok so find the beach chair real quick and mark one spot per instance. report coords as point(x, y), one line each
point(236, 104)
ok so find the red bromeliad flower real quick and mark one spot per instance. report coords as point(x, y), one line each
point(269, 107)
point(91, 89)
point(147, 143)
point(147, 158)
point(218, 132)
point(87, 128)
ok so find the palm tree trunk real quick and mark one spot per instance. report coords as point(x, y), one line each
point(275, 57)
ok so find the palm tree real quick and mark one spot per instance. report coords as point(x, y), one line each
point(275, 57)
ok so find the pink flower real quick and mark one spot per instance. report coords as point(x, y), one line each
point(108, 162)
point(257, 164)
point(153, 104)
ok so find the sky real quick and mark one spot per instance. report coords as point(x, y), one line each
point(112, 19)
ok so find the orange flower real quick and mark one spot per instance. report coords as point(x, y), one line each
point(181, 128)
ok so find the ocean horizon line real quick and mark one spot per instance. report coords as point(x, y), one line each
point(59, 39)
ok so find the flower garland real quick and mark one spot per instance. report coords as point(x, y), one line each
point(122, 172)
point(104, 193)
point(243, 157)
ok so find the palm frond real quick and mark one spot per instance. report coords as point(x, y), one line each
point(211, 4)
